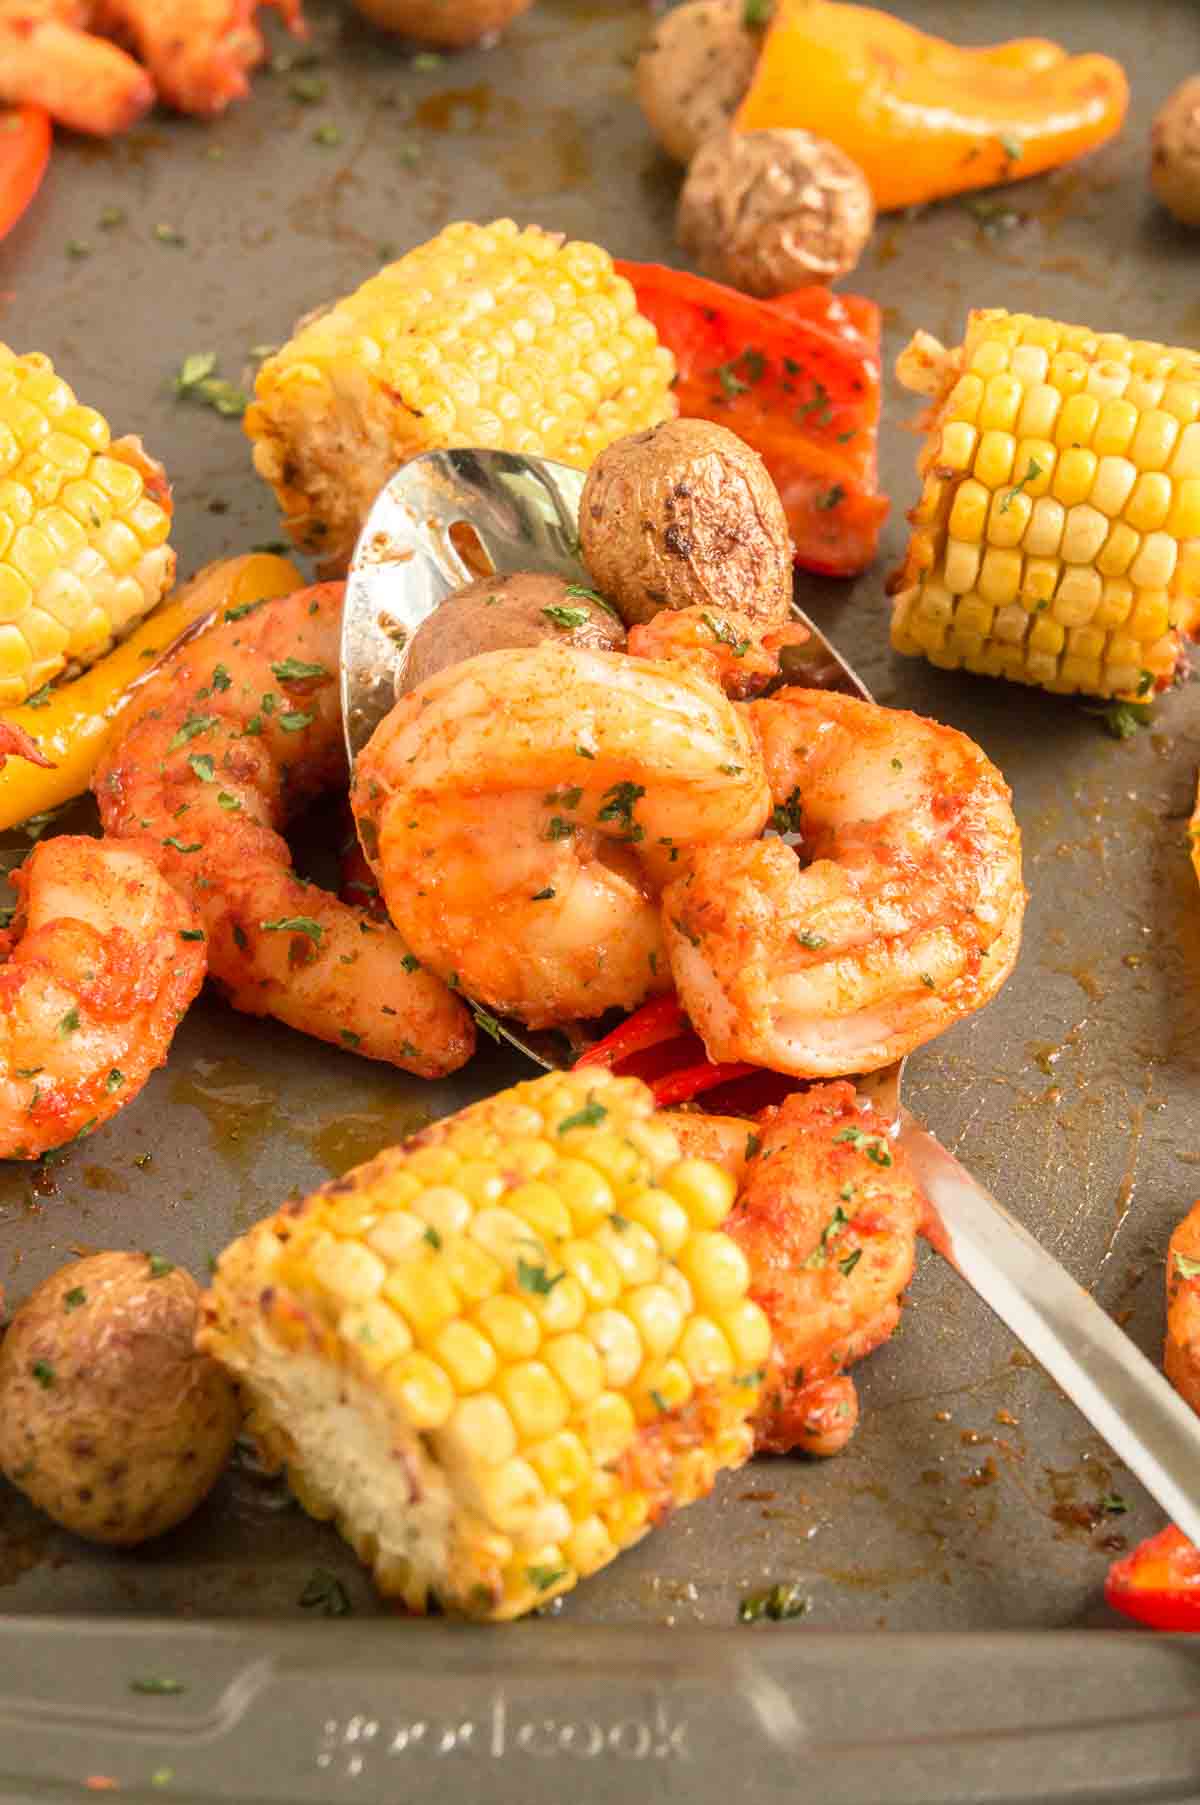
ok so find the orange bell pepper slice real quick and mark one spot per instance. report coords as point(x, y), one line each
point(24, 154)
point(924, 118)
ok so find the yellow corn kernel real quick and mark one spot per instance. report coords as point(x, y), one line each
point(659, 1212)
point(1077, 421)
point(1115, 427)
point(577, 1365)
point(655, 1313)
point(478, 1431)
point(1046, 635)
point(705, 1352)
point(1074, 475)
point(1085, 532)
point(616, 1341)
point(988, 360)
point(501, 1233)
point(748, 1332)
point(536, 1401)
point(956, 448)
point(1150, 615)
point(1009, 625)
point(1107, 379)
point(1154, 565)
point(1000, 575)
point(1154, 439)
point(510, 1494)
point(716, 1269)
point(444, 1209)
point(421, 1389)
point(473, 1272)
point(467, 1355)
point(622, 1164)
point(1116, 601)
point(1008, 517)
point(1150, 502)
point(632, 1247)
point(589, 1546)
point(1183, 521)
point(1078, 596)
point(585, 1191)
point(973, 618)
point(705, 1191)
point(969, 513)
point(1047, 520)
point(346, 1271)
point(1115, 477)
point(511, 1327)
point(423, 1294)
point(961, 567)
point(662, 1386)
point(607, 1426)
point(595, 1269)
point(994, 459)
point(539, 1205)
point(561, 1463)
point(480, 1182)
point(376, 1333)
point(965, 398)
point(625, 1517)
point(1039, 411)
point(433, 1165)
point(1118, 550)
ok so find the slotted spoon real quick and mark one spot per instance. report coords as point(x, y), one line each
point(522, 513)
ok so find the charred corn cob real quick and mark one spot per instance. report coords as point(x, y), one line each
point(83, 529)
point(498, 1355)
point(485, 336)
point(1057, 538)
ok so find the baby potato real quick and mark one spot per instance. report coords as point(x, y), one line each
point(1175, 152)
point(451, 26)
point(110, 1421)
point(694, 71)
point(519, 610)
point(686, 515)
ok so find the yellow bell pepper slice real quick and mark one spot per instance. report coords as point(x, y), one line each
point(72, 725)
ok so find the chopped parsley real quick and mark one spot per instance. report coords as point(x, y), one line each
point(160, 1685)
point(307, 89)
point(325, 1593)
point(775, 1605)
point(296, 924)
point(1187, 1268)
point(543, 895)
point(239, 612)
point(818, 403)
point(812, 941)
point(159, 1267)
point(1012, 147)
point(1122, 719)
point(226, 801)
point(169, 235)
point(567, 618)
point(43, 1372)
point(786, 816)
point(873, 1145)
point(928, 981)
point(559, 829)
point(1113, 1505)
point(197, 381)
point(591, 595)
point(1032, 471)
point(545, 1577)
point(620, 808)
point(172, 840)
point(294, 670)
point(535, 1279)
point(587, 1117)
point(565, 798)
point(829, 499)
point(191, 933)
point(40, 697)
point(753, 1146)
point(327, 135)
point(488, 1023)
point(203, 766)
point(194, 725)
point(75, 1298)
point(349, 1038)
point(846, 1266)
point(659, 1402)
point(115, 1079)
point(68, 1023)
point(757, 13)
point(724, 634)
point(410, 962)
point(433, 1238)
point(296, 722)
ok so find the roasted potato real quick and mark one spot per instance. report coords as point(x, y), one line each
point(520, 610)
point(110, 1420)
point(768, 212)
point(450, 24)
point(685, 515)
point(694, 71)
point(1175, 152)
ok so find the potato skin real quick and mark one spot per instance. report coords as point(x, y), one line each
point(770, 212)
point(1175, 152)
point(451, 24)
point(110, 1421)
point(497, 612)
point(694, 71)
point(686, 515)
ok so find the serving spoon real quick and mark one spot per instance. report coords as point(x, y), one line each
point(518, 513)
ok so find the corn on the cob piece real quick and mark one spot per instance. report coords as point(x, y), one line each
point(1057, 538)
point(498, 1355)
point(485, 336)
point(83, 529)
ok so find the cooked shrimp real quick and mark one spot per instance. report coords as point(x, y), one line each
point(729, 648)
point(196, 54)
point(827, 1214)
point(521, 808)
point(1181, 1354)
point(100, 964)
point(905, 916)
point(237, 729)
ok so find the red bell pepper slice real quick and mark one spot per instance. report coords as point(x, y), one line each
point(658, 1045)
point(799, 379)
point(1159, 1583)
point(25, 137)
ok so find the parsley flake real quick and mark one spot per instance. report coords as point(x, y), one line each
point(535, 1279)
point(296, 924)
point(587, 1117)
point(567, 618)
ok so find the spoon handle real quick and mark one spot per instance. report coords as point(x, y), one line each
point(1124, 1397)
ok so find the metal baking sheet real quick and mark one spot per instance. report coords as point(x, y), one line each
point(973, 1498)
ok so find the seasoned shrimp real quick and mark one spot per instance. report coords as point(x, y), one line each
point(521, 809)
point(196, 55)
point(236, 730)
point(728, 647)
point(905, 916)
point(100, 964)
point(827, 1214)
point(1181, 1353)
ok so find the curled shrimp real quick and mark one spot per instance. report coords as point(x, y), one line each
point(101, 961)
point(1181, 1353)
point(521, 810)
point(905, 914)
point(827, 1214)
point(235, 731)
